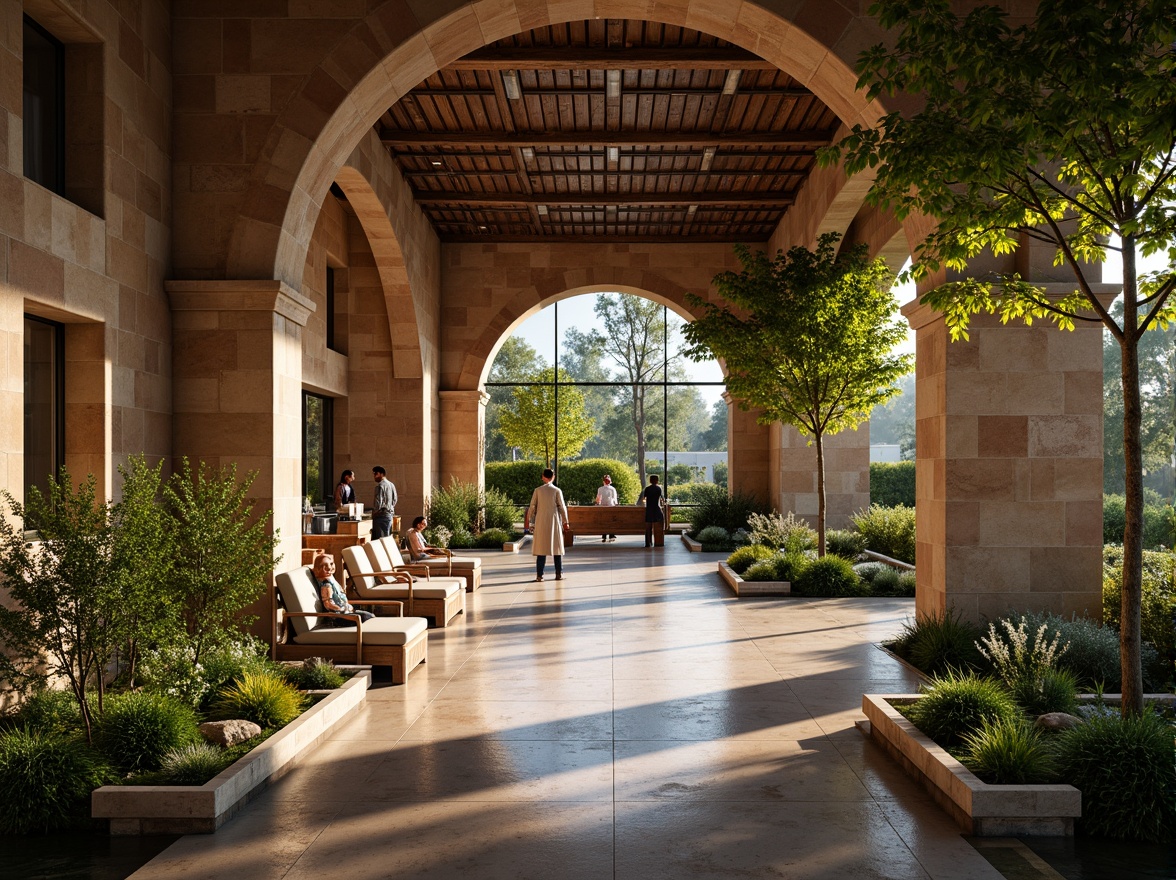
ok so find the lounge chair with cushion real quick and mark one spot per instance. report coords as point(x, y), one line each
point(468, 567)
point(372, 578)
point(399, 642)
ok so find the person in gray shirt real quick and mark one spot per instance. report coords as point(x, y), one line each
point(385, 505)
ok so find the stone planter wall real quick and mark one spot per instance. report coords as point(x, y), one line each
point(201, 809)
point(980, 809)
point(753, 588)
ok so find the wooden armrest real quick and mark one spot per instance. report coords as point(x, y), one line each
point(417, 570)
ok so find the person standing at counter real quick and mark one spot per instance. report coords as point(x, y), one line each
point(385, 504)
point(652, 496)
point(344, 494)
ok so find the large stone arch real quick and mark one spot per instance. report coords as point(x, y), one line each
point(392, 49)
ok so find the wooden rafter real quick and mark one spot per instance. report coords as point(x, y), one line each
point(395, 138)
point(741, 199)
point(635, 58)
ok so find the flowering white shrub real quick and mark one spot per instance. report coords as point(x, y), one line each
point(1012, 655)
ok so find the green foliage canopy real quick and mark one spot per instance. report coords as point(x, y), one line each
point(528, 418)
point(1056, 134)
point(807, 338)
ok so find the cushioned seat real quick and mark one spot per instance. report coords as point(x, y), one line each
point(467, 567)
point(399, 642)
point(371, 576)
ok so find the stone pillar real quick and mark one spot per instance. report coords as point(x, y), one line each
point(1009, 467)
point(463, 436)
point(748, 458)
point(794, 474)
point(237, 394)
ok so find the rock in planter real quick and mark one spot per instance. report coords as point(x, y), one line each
point(1057, 721)
point(229, 733)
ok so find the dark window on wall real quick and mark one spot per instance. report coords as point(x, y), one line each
point(317, 453)
point(330, 307)
point(44, 107)
point(44, 401)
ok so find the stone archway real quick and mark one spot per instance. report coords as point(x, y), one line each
point(382, 57)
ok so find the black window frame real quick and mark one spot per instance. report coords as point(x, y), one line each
point(326, 485)
point(56, 185)
point(57, 403)
point(330, 309)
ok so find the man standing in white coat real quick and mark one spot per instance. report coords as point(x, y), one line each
point(606, 496)
point(548, 514)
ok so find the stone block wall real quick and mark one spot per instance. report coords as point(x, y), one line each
point(93, 259)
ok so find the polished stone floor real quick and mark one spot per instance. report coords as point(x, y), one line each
point(632, 721)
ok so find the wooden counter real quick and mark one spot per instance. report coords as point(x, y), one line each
point(626, 519)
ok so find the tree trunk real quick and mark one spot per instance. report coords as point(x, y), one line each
point(820, 444)
point(639, 429)
point(1130, 637)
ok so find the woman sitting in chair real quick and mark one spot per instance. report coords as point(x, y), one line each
point(417, 548)
point(332, 595)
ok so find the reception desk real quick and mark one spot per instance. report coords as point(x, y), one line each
point(350, 533)
point(622, 520)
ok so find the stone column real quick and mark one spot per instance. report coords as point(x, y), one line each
point(749, 467)
point(237, 394)
point(794, 474)
point(1009, 467)
point(463, 436)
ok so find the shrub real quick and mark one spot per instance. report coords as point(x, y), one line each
point(1159, 598)
point(939, 643)
point(46, 780)
point(685, 493)
point(829, 576)
point(493, 539)
point(907, 584)
point(1047, 690)
point(714, 507)
point(888, 530)
point(1157, 521)
point(48, 711)
point(500, 511)
point(884, 582)
point(514, 479)
point(456, 506)
point(261, 698)
point(1093, 652)
point(954, 705)
point(137, 729)
point(461, 540)
point(1124, 769)
point(314, 674)
point(579, 480)
point(193, 764)
point(785, 533)
point(713, 536)
point(892, 483)
point(1012, 655)
point(744, 557)
point(1008, 752)
point(844, 543)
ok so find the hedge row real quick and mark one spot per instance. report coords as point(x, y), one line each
point(892, 483)
point(578, 479)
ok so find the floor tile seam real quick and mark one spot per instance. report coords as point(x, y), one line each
point(326, 825)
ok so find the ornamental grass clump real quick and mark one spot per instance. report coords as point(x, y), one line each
point(957, 704)
point(262, 698)
point(845, 543)
point(940, 642)
point(47, 710)
point(743, 558)
point(193, 764)
point(493, 539)
point(138, 728)
point(315, 674)
point(1124, 769)
point(1050, 690)
point(779, 567)
point(1008, 752)
point(46, 780)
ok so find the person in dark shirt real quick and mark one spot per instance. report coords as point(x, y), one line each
point(652, 496)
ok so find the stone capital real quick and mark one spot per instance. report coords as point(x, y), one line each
point(240, 296)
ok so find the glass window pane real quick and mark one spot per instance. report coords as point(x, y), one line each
point(316, 448)
point(44, 80)
point(43, 404)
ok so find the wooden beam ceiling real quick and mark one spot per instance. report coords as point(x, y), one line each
point(583, 58)
point(731, 138)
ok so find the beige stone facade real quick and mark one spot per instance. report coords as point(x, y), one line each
point(188, 260)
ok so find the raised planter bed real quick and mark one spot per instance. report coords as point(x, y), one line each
point(981, 809)
point(753, 588)
point(695, 547)
point(516, 546)
point(201, 809)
